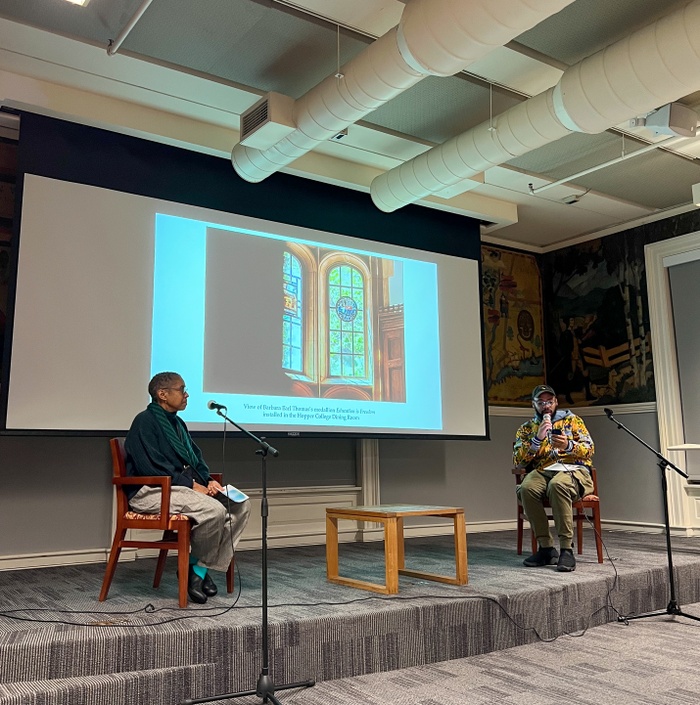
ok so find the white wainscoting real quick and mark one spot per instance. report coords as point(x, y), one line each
point(296, 517)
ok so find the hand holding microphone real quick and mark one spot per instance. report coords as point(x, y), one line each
point(545, 429)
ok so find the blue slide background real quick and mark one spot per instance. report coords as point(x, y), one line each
point(178, 337)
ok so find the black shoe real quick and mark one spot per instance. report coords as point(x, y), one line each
point(567, 562)
point(194, 588)
point(542, 557)
point(209, 586)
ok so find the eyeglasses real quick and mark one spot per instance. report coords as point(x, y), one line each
point(182, 390)
point(545, 402)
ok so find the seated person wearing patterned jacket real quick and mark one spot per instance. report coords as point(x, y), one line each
point(556, 450)
point(158, 443)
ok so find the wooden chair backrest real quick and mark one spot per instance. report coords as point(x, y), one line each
point(119, 470)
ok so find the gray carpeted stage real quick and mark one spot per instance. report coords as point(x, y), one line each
point(319, 630)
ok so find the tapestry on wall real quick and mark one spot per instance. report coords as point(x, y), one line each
point(597, 322)
point(513, 325)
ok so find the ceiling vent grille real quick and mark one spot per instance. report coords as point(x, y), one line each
point(268, 121)
point(255, 117)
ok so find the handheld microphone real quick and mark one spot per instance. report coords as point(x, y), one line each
point(548, 417)
point(213, 406)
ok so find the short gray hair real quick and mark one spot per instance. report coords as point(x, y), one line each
point(161, 381)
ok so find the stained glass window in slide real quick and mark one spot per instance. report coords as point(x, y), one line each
point(346, 322)
point(293, 318)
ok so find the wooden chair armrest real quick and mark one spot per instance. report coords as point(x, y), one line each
point(162, 481)
point(141, 480)
point(218, 476)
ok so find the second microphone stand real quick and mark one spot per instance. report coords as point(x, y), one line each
point(673, 608)
point(266, 687)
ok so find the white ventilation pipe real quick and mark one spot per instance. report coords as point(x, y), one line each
point(651, 67)
point(434, 37)
point(113, 46)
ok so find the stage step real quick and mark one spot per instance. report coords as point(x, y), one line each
point(162, 686)
point(318, 630)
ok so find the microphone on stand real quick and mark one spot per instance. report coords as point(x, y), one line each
point(213, 406)
point(608, 413)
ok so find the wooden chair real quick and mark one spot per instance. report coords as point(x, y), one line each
point(175, 527)
point(588, 506)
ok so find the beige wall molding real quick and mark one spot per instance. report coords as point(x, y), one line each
point(658, 256)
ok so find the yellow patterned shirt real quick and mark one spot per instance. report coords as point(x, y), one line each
point(531, 453)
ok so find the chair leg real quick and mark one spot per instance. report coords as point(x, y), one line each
point(112, 563)
point(229, 575)
point(162, 555)
point(598, 534)
point(160, 566)
point(183, 560)
point(579, 533)
point(520, 532)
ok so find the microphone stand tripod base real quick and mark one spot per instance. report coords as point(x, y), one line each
point(266, 688)
point(673, 607)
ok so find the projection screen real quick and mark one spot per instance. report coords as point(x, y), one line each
point(294, 330)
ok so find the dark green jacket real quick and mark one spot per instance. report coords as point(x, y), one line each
point(148, 452)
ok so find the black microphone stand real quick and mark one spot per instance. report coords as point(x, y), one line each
point(265, 688)
point(673, 607)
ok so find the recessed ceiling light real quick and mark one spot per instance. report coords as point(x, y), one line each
point(82, 3)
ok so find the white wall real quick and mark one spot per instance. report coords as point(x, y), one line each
point(57, 496)
point(477, 475)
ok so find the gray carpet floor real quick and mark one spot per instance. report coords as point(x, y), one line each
point(59, 645)
point(298, 588)
point(649, 662)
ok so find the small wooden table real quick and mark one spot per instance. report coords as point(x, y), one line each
point(392, 516)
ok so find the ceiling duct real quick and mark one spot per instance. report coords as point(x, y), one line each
point(268, 121)
point(673, 119)
point(653, 66)
point(434, 37)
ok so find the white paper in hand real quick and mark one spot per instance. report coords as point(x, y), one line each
point(233, 493)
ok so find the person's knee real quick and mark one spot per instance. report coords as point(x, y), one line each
point(218, 512)
point(563, 486)
point(528, 489)
point(244, 513)
point(240, 511)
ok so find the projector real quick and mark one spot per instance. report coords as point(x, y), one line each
point(673, 119)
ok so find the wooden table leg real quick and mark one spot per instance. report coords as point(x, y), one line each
point(401, 553)
point(391, 555)
point(461, 549)
point(331, 547)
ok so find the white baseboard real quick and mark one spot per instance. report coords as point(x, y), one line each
point(49, 560)
point(645, 528)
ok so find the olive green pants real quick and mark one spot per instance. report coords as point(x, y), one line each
point(561, 489)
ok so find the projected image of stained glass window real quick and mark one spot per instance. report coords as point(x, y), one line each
point(292, 326)
point(343, 324)
point(346, 322)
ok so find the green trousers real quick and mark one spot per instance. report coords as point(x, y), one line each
point(561, 489)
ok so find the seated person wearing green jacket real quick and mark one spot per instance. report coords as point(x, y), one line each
point(158, 443)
